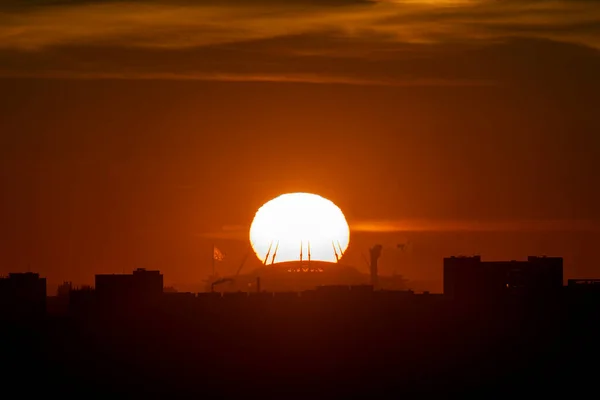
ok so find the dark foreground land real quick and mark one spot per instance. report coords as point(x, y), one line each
point(301, 349)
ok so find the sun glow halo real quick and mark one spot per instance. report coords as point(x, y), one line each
point(296, 221)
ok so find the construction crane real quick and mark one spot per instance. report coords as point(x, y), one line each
point(218, 282)
point(243, 261)
point(231, 280)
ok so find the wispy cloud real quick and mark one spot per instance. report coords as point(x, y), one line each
point(348, 29)
point(273, 78)
point(392, 226)
point(241, 232)
point(202, 23)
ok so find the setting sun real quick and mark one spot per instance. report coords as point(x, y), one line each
point(299, 226)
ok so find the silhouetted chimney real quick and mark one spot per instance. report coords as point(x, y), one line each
point(375, 252)
point(258, 284)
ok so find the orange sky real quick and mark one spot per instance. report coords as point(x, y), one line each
point(132, 132)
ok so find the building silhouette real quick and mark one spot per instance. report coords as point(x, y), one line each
point(64, 290)
point(375, 253)
point(130, 336)
point(470, 278)
point(119, 291)
point(141, 283)
point(587, 289)
point(23, 294)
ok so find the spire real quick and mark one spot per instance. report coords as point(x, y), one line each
point(337, 257)
point(340, 249)
point(268, 252)
point(275, 253)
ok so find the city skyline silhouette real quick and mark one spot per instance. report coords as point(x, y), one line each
point(506, 325)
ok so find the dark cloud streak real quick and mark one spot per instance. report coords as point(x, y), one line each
point(306, 41)
point(222, 3)
point(517, 62)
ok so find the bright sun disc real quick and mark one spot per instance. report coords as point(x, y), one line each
point(293, 225)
